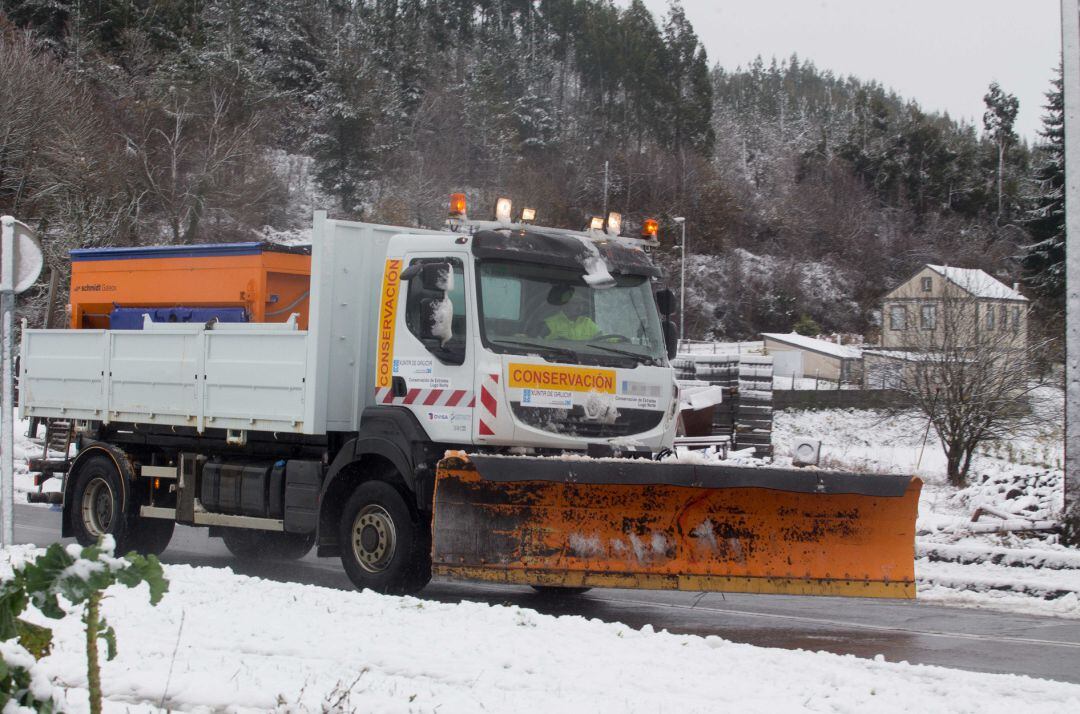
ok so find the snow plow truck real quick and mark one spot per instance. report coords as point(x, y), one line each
point(492, 401)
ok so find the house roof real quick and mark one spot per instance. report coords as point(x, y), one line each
point(977, 282)
point(813, 344)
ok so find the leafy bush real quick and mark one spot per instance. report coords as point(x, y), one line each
point(80, 576)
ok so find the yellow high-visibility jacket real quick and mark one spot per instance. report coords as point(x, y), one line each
point(561, 327)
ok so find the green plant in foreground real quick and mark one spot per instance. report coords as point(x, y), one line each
point(80, 576)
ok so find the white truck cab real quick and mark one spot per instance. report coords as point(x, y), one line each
point(507, 337)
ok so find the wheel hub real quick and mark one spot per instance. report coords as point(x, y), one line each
point(97, 507)
point(374, 538)
point(369, 538)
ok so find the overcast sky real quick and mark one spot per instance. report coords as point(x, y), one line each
point(941, 53)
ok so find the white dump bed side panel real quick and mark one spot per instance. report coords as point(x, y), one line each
point(256, 380)
point(68, 375)
point(246, 378)
point(152, 373)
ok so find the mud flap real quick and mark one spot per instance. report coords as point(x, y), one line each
point(643, 524)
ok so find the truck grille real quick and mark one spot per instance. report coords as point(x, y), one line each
point(572, 422)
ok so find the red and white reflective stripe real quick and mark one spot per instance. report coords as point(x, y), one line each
point(461, 398)
point(488, 410)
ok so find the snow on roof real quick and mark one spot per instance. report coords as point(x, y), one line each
point(977, 282)
point(812, 343)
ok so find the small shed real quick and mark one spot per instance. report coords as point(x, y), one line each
point(796, 355)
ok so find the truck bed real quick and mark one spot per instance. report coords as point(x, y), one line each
point(232, 376)
point(256, 376)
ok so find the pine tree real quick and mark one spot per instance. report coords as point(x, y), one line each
point(998, 121)
point(348, 136)
point(687, 70)
point(1044, 259)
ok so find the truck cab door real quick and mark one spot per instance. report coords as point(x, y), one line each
point(432, 364)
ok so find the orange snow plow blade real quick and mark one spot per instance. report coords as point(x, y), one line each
point(674, 526)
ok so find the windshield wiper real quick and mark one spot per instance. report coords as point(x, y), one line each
point(552, 349)
point(644, 359)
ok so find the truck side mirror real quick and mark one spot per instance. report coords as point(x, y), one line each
point(671, 338)
point(436, 330)
point(437, 277)
point(435, 319)
point(665, 302)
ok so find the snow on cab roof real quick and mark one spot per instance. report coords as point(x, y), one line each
point(812, 343)
point(977, 282)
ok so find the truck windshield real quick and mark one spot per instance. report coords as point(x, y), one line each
point(528, 308)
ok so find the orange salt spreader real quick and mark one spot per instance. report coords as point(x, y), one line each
point(112, 288)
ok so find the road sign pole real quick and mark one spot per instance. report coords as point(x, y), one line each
point(1070, 45)
point(7, 427)
point(7, 437)
point(20, 266)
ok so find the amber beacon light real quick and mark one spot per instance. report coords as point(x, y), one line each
point(457, 205)
point(649, 228)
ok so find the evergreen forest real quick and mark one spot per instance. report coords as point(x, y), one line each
point(806, 194)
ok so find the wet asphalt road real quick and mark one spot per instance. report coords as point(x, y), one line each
point(978, 640)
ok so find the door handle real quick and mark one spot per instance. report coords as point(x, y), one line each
point(397, 387)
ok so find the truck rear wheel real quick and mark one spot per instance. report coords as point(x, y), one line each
point(383, 544)
point(267, 545)
point(151, 536)
point(97, 510)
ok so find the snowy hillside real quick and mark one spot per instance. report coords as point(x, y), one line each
point(742, 293)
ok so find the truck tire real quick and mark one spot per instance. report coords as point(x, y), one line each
point(383, 543)
point(96, 505)
point(267, 545)
point(96, 510)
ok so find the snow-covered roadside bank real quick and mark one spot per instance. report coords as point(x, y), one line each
point(1029, 573)
point(244, 644)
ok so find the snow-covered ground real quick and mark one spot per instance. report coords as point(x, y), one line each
point(225, 642)
point(1030, 572)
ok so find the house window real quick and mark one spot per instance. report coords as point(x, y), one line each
point(897, 317)
point(1016, 319)
point(928, 317)
point(1004, 318)
point(927, 284)
point(990, 317)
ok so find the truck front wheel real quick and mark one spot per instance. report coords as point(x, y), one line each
point(383, 544)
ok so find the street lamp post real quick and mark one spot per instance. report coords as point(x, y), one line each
point(681, 220)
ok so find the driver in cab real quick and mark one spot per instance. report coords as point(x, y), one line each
point(570, 321)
